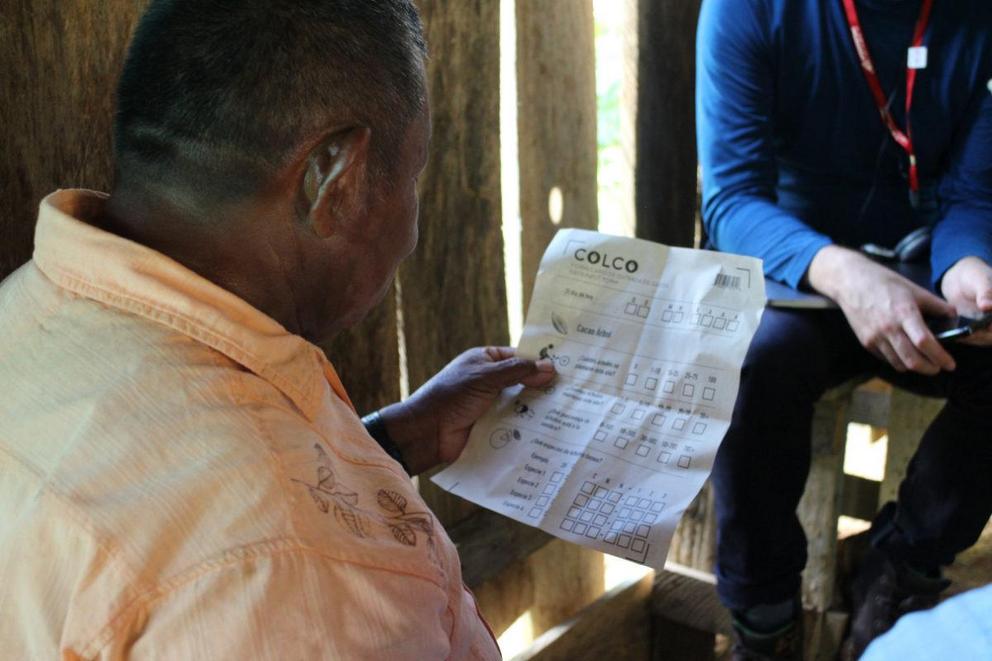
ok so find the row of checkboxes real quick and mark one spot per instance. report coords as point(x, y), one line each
point(591, 532)
point(679, 424)
point(637, 545)
point(668, 387)
point(591, 509)
point(717, 323)
point(593, 490)
point(636, 309)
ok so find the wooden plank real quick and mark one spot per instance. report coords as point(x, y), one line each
point(909, 417)
point(614, 626)
point(454, 292)
point(665, 125)
point(567, 577)
point(556, 123)
point(59, 61)
point(488, 543)
point(688, 597)
point(677, 642)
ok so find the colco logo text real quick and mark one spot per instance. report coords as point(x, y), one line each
point(597, 258)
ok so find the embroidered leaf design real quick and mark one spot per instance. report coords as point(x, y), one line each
point(320, 500)
point(349, 497)
point(404, 534)
point(420, 523)
point(325, 477)
point(350, 520)
point(391, 501)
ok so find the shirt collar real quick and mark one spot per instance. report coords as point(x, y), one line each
point(127, 275)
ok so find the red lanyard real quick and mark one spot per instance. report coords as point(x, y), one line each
point(904, 138)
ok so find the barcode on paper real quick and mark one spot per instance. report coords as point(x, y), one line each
point(728, 281)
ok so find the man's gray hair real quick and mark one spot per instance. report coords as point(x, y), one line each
point(218, 94)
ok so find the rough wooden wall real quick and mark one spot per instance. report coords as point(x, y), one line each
point(454, 292)
point(58, 67)
point(556, 123)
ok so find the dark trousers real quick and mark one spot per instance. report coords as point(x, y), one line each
point(760, 471)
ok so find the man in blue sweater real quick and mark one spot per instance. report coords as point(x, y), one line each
point(824, 125)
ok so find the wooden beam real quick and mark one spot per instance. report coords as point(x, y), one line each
point(454, 292)
point(665, 125)
point(614, 626)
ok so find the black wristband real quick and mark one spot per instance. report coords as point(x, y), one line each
point(376, 428)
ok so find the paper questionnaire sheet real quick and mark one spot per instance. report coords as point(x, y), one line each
point(648, 342)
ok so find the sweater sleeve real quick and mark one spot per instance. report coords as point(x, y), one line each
point(735, 96)
point(965, 225)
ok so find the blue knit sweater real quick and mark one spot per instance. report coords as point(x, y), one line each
point(794, 154)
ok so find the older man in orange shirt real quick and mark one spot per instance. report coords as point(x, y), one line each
point(182, 475)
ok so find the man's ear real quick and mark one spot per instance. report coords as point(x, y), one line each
point(334, 185)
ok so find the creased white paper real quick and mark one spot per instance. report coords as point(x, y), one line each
point(648, 342)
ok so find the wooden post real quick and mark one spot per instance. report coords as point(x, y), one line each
point(454, 292)
point(556, 124)
point(59, 61)
point(556, 131)
point(820, 504)
point(664, 120)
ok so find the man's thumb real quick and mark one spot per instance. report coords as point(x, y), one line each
point(515, 370)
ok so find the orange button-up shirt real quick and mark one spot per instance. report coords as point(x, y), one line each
point(181, 478)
